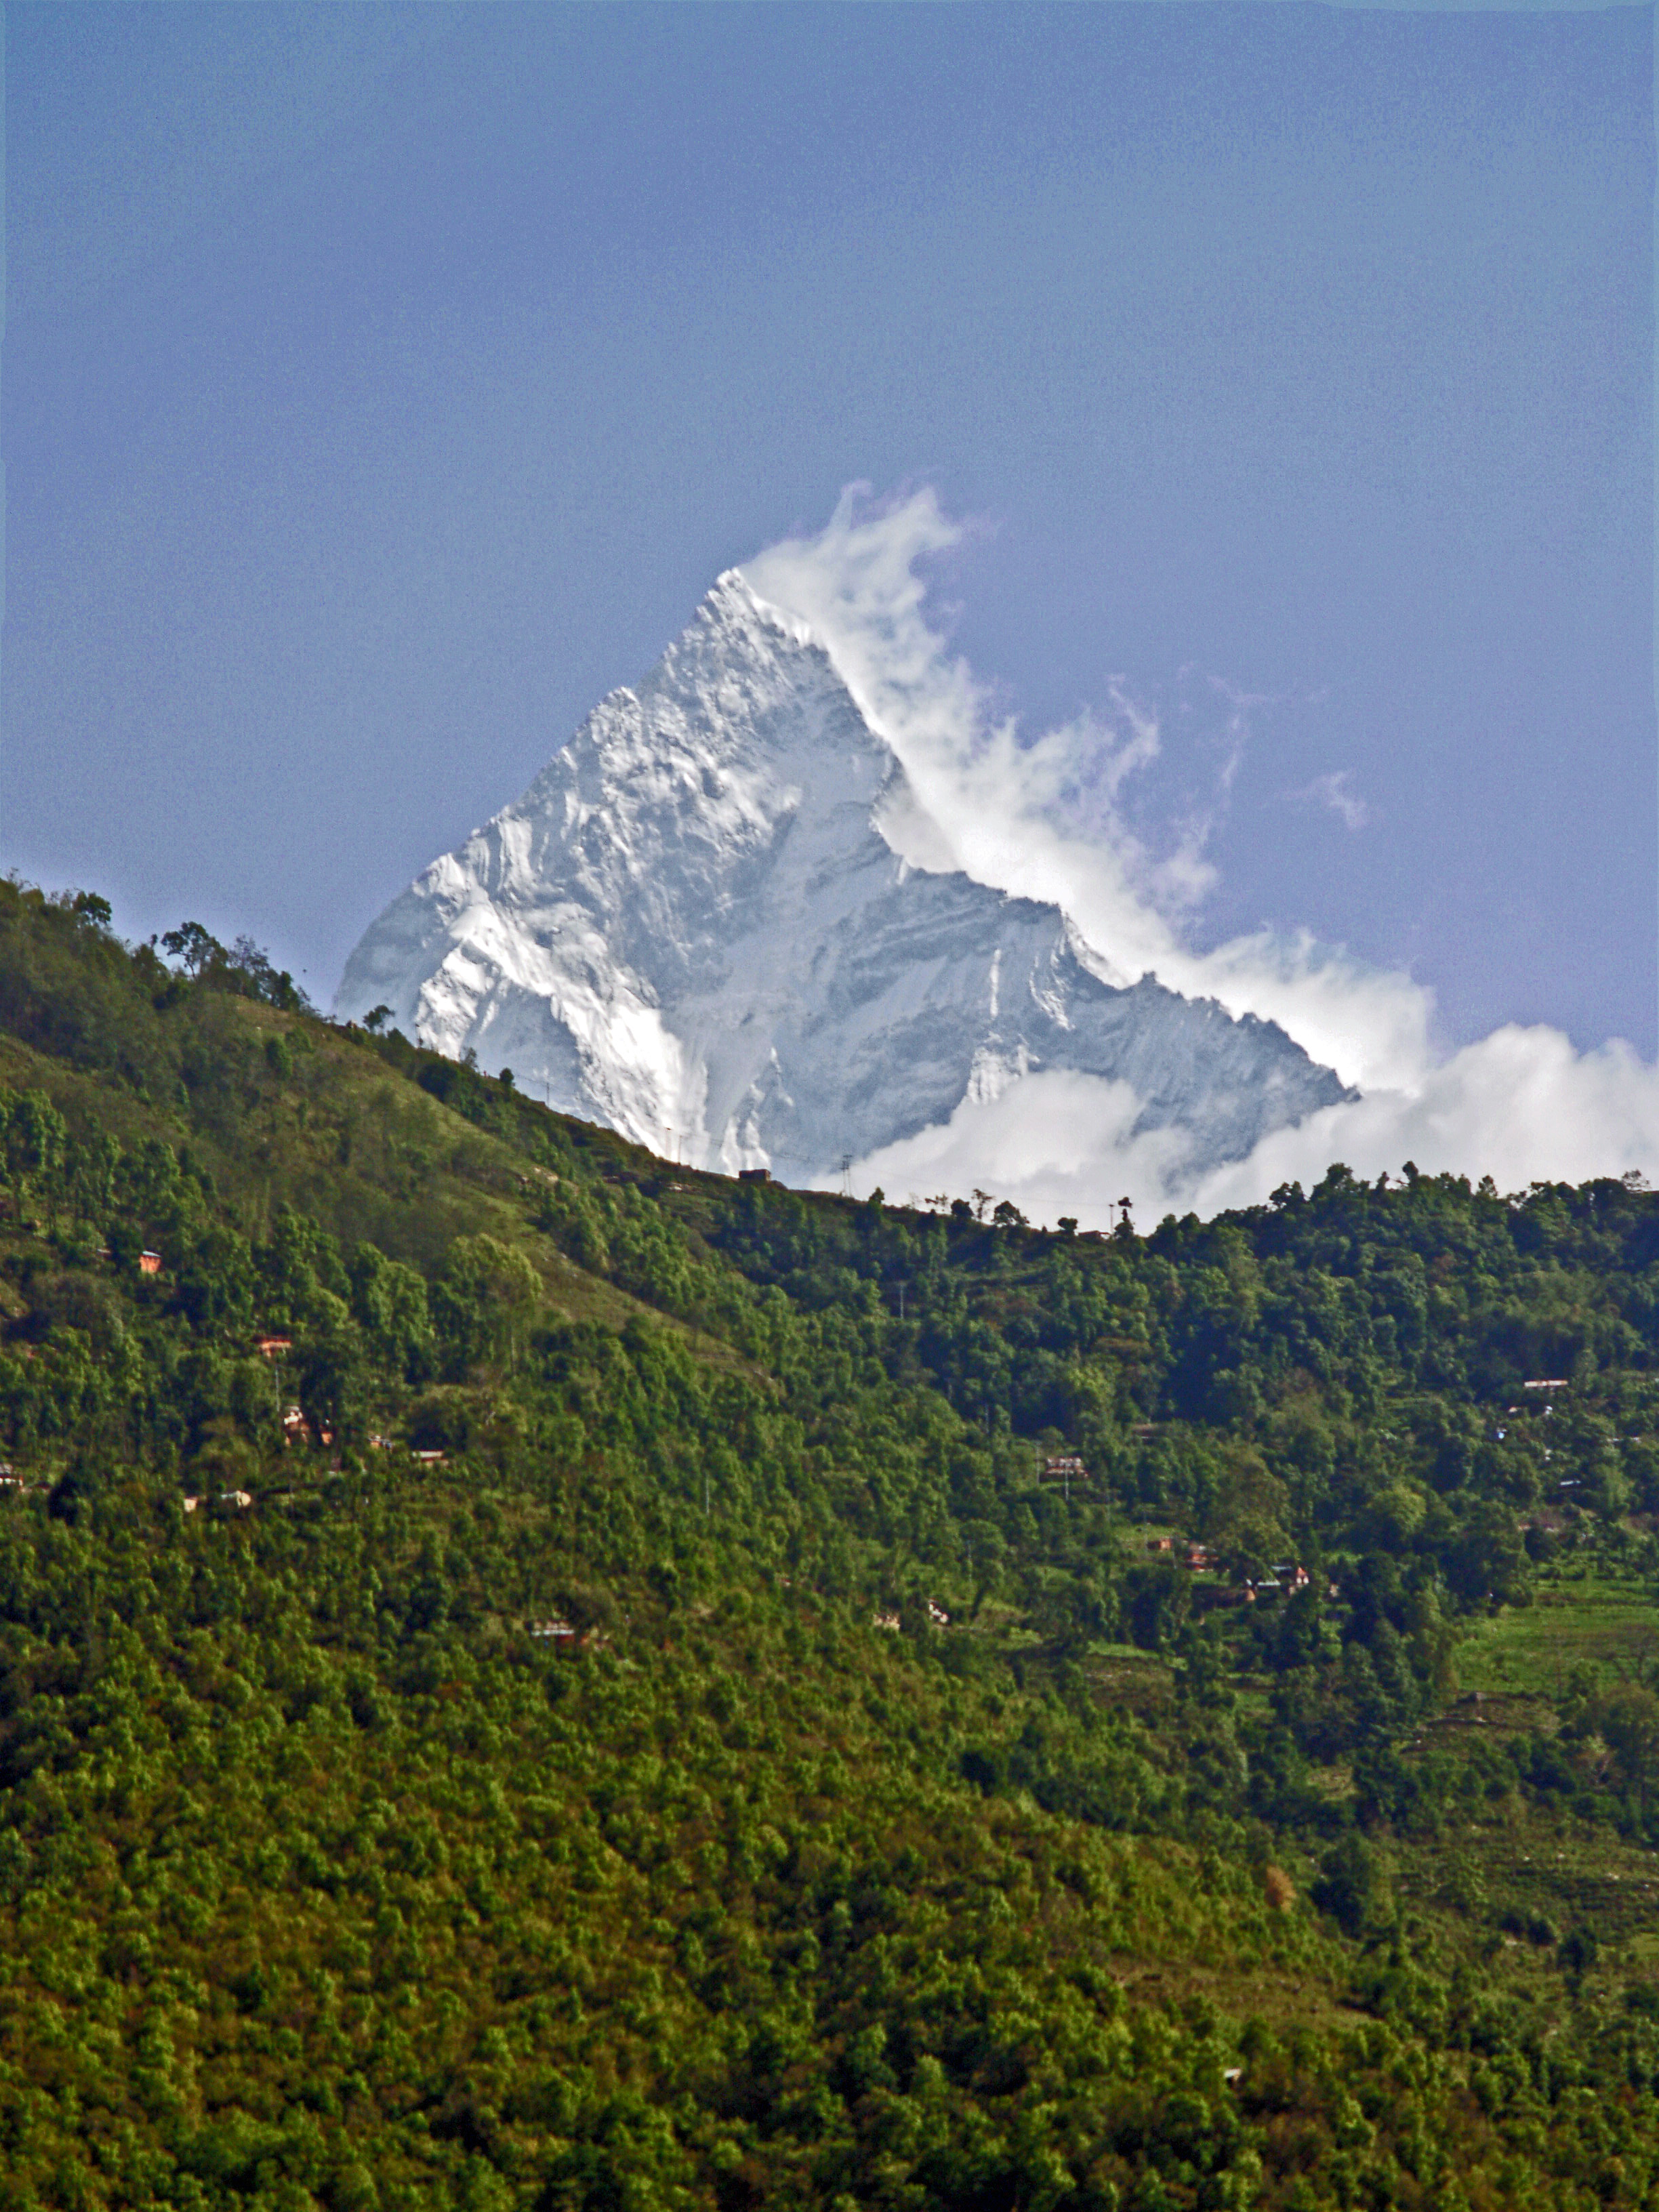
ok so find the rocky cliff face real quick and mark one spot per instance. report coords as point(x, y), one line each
point(692, 927)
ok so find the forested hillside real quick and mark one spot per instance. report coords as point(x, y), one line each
point(531, 1677)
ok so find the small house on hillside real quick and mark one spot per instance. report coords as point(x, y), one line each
point(149, 1263)
point(567, 1640)
point(1067, 1467)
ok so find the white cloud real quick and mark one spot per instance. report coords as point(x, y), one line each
point(1050, 818)
point(1055, 1144)
point(1335, 792)
point(1521, 1106)
point(1047, 817)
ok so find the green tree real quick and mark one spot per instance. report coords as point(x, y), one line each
point(36, 1139)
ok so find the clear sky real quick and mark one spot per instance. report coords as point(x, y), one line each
point(382, 386)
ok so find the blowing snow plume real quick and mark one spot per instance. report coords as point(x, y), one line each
point(1045, 818)
point(801, 900)
point(722, 921)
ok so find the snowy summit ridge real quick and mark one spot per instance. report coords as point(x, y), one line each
point(692, 927)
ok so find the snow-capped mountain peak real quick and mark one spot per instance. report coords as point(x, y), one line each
point(695, 926)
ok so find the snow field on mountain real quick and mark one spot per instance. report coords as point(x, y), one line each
point(694, 925)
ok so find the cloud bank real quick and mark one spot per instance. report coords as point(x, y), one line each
point(1053, 818)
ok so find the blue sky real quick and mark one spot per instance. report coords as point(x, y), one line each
point(383, 385)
